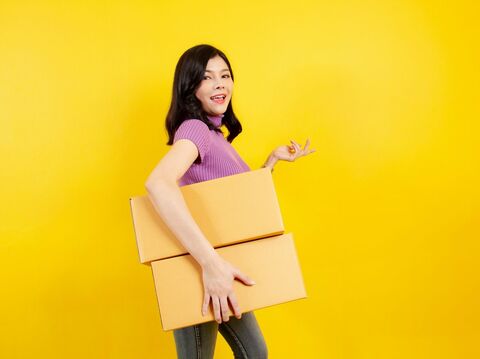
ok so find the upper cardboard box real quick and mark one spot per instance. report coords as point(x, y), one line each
point(228, 210)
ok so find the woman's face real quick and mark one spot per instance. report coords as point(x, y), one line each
point(215, 90)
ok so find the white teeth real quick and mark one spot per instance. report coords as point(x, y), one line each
point(218, 97)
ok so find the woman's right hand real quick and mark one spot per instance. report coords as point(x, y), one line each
point(218, 276)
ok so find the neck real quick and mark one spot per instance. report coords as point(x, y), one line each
point(216, 120)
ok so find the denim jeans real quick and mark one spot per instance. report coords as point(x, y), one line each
point(243, 335)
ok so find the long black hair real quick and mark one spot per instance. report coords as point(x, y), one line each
point(189, 73)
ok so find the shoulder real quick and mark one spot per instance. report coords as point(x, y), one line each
point(196, 131)
point(192, 127)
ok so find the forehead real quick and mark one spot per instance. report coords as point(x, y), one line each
point(216, 64)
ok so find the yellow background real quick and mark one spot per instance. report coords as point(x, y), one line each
point(385, 214)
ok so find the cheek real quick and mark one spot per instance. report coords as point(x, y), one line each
point(201, 93)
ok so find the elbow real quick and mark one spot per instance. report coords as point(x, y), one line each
point(148, 187)
point(151, 185)
point(154, 184)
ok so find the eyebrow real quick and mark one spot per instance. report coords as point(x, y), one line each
point(220, 70)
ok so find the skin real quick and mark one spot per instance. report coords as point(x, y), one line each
point(217, 79)
point(163, 190)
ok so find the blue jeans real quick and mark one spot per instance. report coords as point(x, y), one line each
point(243, 335)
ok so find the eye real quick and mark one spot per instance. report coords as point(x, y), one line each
point(227, 75)
point(205, 77)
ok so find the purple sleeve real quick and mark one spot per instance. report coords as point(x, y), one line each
point(197, 132)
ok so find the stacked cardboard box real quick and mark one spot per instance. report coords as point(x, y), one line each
point(241, 218)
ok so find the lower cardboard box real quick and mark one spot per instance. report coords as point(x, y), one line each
point(271, 262)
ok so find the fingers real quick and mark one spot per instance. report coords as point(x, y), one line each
point(306, 150)
point(206, 300)
point(302, 152)
point(244, 278)
point(307, 143)
point(236, 308)
point(297, 146)
point(222, 293)
point(224, 309)
point(298, 151)
point(221, 309)
point(216, 309)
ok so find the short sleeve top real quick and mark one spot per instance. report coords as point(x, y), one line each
point(217, 157)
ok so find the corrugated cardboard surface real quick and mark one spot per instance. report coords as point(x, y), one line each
point(228, 210)
point(271, 262)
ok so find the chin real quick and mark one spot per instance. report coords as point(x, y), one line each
point(218, 111)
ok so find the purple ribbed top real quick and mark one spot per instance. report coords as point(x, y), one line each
point(217, 159)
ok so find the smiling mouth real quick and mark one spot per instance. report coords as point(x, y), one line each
point(219, 97)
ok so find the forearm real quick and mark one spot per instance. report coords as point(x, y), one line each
point(169, 203)
point(271, 161)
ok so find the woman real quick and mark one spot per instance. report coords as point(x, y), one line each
point(201, 104)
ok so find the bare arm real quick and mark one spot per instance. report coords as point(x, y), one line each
point(271, 161)
point(167, 198)
point(165, 194)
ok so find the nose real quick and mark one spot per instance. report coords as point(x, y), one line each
point(219, 84)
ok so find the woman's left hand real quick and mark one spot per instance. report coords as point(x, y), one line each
point(292, 152)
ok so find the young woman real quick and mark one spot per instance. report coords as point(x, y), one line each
point(201, 105)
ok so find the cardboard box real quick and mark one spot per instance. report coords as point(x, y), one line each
point(271, 262)
point(228, 210)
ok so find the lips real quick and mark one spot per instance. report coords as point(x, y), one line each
point(218, 97)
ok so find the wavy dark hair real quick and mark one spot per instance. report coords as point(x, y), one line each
point(189, 73)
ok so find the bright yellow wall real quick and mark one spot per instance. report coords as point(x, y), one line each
point(385, 214)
